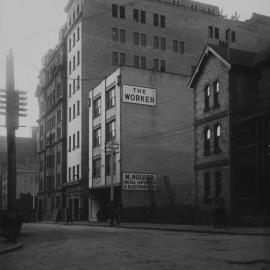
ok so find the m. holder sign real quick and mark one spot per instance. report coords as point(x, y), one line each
point(139, 95)
point(140, 181)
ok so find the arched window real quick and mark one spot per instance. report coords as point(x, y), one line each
point(217, 133)
point(207, 138)
point(216, 95)
point(207, 98)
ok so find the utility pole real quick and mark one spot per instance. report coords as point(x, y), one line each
point(12, 111)
point(112, 147)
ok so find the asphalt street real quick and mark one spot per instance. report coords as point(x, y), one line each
point(75, 247)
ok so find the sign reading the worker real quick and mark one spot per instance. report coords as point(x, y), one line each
point(140, 181)
point(139, 95)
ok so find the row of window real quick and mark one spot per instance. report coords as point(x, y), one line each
point(72, 64)
point(50, 124)
point(72, 111)
point(217, 186)
point(138, 15)
point(213, 32)
point(207, 140)
point(207, 93)
point(108, 168)
point(138, 61)
point(74, 146)
point(75, 170)
point(72, 42)
point(110, 134)
point(110, 102)
point(49, 182)
point(75, 14)
point(75, 85)
point(141, 39)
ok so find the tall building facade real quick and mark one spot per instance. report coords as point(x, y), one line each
point(52, 93)
point(160, 35)
point(232, 123)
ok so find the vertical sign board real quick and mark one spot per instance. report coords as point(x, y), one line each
point(140, 181)
point(139, 95)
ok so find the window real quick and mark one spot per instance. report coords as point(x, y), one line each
point(96, 167)
point(163, 44)
point(73, 172)
point(122, 12)
point(74, 109)
point(74, 86)
point(233, 37)
point(114, 10)
point(69, 70)
point(122, 35)
point(78, 33)
point(217, 132)
point(114, 34)
point(216, 33)
point(69, 92)
point(135, 38)
point(69, 114)
point(162, 21)
point(97, 107)
point(109, 169)
point(143, 62)
point(78, 139)
point(135, 15)
point(143, 40)
point(206, 186)
point(69, 143)
point(162, 65)
point(156, 42)
point(58, 116)
point(206, 98)
point(115, 58)
point(58, 158)
point(69, 44)
point(110, 131)
point(155, 19)
point(181, 47)
point(78, 171)
point(78, 107)
point(136, 61)
point(73, 15)
point(210, 31)
point(78, 82)
point(97, 137)
point(78, 9)
point(74, 61)
point(218, 184)
point(207, 137)
point(143, 16)
point(74, 140)
point(175, 46)
point(122, 59)
point(216, 93)
point(69, 173)
point(156, 64)
point(110, 98)
point(78, 58)
point(74, 39)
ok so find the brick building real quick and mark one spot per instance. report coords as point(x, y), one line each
point(136, 109)
point(159, 35)
point(231, 103)
point(51, 94)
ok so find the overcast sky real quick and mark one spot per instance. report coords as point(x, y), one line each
point(30, 28)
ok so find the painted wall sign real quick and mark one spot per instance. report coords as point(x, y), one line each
point(139, 95)
point(140, 181)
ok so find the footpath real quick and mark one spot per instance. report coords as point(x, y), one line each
point(256, 231)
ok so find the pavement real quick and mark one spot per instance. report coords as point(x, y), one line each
point(256, 231)
point(251, 231)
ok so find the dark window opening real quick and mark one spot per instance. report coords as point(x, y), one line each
point(207, 99)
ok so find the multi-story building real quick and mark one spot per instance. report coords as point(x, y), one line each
point(159, 35)
point(232, 120)
point(51, 93)
point(145, 116)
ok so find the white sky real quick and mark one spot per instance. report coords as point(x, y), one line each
point(30, 28)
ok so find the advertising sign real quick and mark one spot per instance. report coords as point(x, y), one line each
point(139, 95)
point(140, 181)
